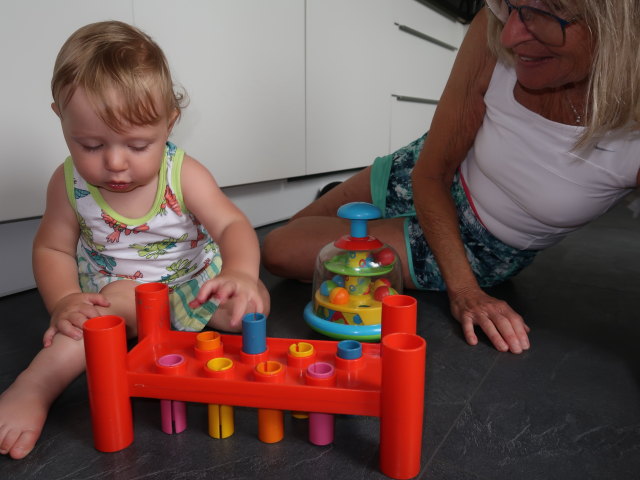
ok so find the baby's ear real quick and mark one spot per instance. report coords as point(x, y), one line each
point(55, 109)
point(173, 117)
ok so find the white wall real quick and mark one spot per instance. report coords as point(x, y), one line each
point(15, 255)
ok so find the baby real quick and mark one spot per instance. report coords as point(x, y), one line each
point(127, 206)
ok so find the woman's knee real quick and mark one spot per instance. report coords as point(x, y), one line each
point(272, 250)
point(290, 251)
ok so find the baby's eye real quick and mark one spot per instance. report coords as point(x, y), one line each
point(138, 148)
point(91, 148)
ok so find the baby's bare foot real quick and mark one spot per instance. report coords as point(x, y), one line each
point(23, 412)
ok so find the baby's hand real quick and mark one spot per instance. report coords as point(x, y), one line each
point(236, 292)
point(70, 314)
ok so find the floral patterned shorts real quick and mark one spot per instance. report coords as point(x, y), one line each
point(183, 317)
point(491, 260)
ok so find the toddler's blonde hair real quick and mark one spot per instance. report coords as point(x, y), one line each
point(112, 57)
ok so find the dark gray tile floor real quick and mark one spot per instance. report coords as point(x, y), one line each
point(567, 409)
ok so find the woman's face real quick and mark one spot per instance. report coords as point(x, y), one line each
point(539, 65)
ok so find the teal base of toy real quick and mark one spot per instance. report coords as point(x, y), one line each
point(340, 331)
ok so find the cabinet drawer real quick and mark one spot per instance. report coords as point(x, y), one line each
point(420, 68)
point(409, 120)
point(425, 44)
point(416, 14)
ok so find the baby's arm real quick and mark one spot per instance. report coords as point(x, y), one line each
point(55, 267)
point(229, 227)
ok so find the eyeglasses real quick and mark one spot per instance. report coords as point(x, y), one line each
point(542, 24)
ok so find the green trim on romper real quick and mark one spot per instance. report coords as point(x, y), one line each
point(176, 170)
point(68, 180)
point(153, 211)
point(379, 180)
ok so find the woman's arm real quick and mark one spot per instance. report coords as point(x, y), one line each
point(453, 130)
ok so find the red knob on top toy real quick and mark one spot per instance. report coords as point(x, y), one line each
point(352, 276)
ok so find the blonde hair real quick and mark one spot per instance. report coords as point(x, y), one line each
point(613, 99)
point(108, 58)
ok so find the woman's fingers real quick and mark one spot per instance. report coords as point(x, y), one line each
point(469, 331)
point(496, 337)
point(504, 327)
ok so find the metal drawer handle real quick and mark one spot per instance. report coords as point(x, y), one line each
point(426, 37)
point(404, 98)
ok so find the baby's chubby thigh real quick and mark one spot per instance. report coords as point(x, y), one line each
point(122, 298)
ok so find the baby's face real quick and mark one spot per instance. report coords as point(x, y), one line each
point(115, 161)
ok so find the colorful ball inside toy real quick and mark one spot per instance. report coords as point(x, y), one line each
point(385, 256)
point(339, 296)
point(381, 282)
point(383, 291)
point(326, 287)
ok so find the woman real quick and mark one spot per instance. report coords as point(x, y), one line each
point(536, 134)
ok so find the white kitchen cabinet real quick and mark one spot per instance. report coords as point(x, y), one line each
point(242, 64)
point(32, 144)
point(425, 44)
point(347, 82)
point(409, 120)
point(375, 72)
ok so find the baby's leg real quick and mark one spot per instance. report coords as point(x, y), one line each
point(222, 318)
point(24, 405)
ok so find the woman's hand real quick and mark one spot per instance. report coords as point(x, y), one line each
point(71, 312)
point(504, 327)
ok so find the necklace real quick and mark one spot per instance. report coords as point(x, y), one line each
point(576, 114)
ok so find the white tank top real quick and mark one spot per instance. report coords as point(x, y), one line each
point(528, 188)
point(167, 245)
